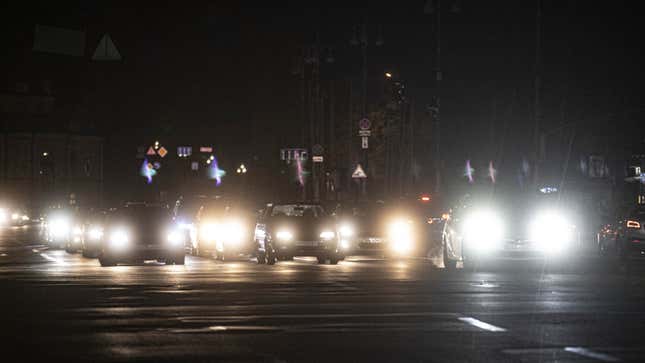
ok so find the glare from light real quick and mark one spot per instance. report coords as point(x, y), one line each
point(176, 238)
point(327, 235)
point(551, 231)
point(284, 235)
point(344, 244)
point(210, 231)
point(25, 218)
point(388, 74)
point(15, 216)
point(119, 239)
point(484, 230)
point(233, 232)
point(77, 231)
point(3, 216)
point(59, 227)
point(401, 236)
point(95, 233)
point(346, 230)
point(633, 224)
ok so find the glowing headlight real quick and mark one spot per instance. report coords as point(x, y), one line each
point(15, 216)
point(551, 231)
point(327, 235)
point(59, 227)
point(176, 238)
point(77, 231)
point(3, 215)
point(400, 236)
point(95, 233)
point(211, 232)
point(284, 235)
point(25, 218)
point(119, 239)
point(234, 232)
point(346, 230)
point(483, 230)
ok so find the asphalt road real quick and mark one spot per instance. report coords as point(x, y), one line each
point(58, 306)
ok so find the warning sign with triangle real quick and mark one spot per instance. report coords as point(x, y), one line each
point(359, 173)
point(151, 151)
point(106, 50)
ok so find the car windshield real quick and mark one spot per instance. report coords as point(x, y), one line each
point(141, 215)
point(297, 210)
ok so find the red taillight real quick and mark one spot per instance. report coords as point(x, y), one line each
point(425, 198)
point(633, 224)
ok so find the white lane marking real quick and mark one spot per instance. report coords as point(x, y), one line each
point(591, 354)
point(51, 259)
point(3, 255)
point(481, 324)
point(203, 319)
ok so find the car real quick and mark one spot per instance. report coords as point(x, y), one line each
point(60, 226)
point(15, 217)
point(93, 228)
point(224, 228)
point(185, 210)
point(508, 226)
point(141, 232)
point(400, 228)
point(624, 236)
point(285, 230)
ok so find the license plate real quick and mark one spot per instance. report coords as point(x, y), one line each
point(371, 240)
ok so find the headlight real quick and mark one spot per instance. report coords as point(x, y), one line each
point(346, 230)
point(59, 227)
point(234, 232)
point(15, 216)
point(77, 231)
point(176, 238)
point(3, 215)
point(95, 233)
point(483, 230)
point(327, 235)
point(284, 235)
point(119, 239)
point(210, 231)
point(400, 236)
point(551, 231)
point(25, 218)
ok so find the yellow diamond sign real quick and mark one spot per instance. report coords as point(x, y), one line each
point(162, 151)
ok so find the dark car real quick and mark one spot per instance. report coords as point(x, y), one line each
point(224, 228)
point(508, 226)
point(624, 236)
point(400, 228)
point(297, 229)
point(140, 232)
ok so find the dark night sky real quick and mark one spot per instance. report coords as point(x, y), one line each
point(215, 70)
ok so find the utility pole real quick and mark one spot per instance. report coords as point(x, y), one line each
point(538, 144)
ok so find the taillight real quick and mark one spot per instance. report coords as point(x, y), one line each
point(634, 224)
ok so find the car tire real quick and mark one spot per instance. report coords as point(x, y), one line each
point(106, 262)
point(261, 257)
point(271, 258)
point(448, 264)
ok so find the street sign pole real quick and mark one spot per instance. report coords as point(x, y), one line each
point(364, 126)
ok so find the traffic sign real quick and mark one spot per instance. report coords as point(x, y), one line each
point(359, 173)
point(194, 165)
point(293, 154)
point(106, 50)
point(162, 151)
point(364, 142)
point(184, 151)
point(364, 124)
point(205, 149)
point(318, 159)
point(151, 151)
point(364, 133)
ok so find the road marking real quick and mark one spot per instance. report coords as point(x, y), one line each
point(51, 259)
point(3, 255)
point(481, 324)
point(591, 354)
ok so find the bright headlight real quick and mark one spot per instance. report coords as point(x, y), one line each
point(95, 233)
point(551, 231)
point(346, 230)
point(210, 231)
point(25, 217)
point(15, 216)
point(327, 235)
point(234, 232)
point(284, 235)
point(3, 215)
point(176, 238)
point(59, 227)
point(401, 236)
point(483, 230)
point(119, 239)
point(77, 231)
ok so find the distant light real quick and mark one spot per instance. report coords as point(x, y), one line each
point(45, 154)
point(212, 157)
point(548, 190)
point(425, 198)
point(388, 74)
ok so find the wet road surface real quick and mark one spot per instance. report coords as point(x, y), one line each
point(57, 306)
